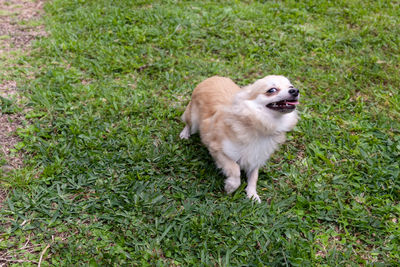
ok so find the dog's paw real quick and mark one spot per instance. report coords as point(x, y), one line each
point(252, 194)
point(185, 134)
point(231, 184)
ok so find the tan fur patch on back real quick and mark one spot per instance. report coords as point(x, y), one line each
point(213, 94)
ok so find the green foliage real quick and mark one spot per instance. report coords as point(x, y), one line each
point(116, 186)
point(7, 106)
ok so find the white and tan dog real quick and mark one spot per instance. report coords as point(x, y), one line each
point(241, 127)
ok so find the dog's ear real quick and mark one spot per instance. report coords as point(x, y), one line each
point(253, 90)
point(243, 94)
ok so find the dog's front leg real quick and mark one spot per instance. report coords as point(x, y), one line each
point(251, 190)
point(231, 169)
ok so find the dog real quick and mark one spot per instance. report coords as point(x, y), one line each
point(241, 127)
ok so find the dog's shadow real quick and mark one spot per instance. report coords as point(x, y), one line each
point(201, 164)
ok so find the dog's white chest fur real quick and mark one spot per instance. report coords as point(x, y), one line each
point(253, 154)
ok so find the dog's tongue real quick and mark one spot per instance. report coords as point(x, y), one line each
point(292, 102)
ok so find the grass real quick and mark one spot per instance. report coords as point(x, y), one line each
point(108, 182)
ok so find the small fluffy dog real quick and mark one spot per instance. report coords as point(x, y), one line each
point(241, 127)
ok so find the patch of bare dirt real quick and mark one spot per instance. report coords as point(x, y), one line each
point(16, 17)
point(19, 26)
point(8, 125)
point(3, 195)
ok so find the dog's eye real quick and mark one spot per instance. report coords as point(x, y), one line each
point(272, 90)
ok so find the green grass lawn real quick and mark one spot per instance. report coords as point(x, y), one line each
point(108, 182)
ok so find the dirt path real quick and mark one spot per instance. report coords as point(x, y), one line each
point(18, 28)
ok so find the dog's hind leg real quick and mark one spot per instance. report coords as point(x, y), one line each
point(190, 117)
point(185, 134)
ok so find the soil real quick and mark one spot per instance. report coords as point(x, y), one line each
point(18, 28)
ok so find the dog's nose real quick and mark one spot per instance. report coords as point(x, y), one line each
point(294, 92)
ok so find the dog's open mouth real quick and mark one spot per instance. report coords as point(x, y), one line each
point(284, 105)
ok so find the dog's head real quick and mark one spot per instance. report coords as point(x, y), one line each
point(275, 93)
